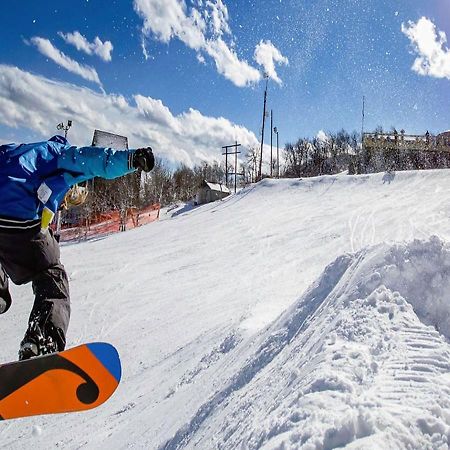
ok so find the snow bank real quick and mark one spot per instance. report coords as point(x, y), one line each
point(357, 361)
point(421, 272)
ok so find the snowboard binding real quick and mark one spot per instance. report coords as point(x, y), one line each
point(35, 343)
point(41, 337)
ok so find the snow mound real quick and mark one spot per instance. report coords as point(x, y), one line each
point(361, 359)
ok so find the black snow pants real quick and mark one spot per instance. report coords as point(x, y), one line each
point(34, 256)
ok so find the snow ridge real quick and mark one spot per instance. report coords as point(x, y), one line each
point(356, 358)
point(269, 349)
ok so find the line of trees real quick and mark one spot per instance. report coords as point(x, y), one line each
point(337, 152)
point(328, 154)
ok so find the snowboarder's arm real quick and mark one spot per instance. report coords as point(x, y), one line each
point(90, 162)
point(77, 164)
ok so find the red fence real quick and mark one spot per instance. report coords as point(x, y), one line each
point(111, 222)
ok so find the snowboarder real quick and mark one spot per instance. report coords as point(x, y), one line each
point(34, 179)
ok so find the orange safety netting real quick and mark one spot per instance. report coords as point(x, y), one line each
point(111, 222)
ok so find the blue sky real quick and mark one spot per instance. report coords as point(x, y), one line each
point(185, 78)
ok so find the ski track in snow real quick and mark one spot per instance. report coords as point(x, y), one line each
point(360, 360)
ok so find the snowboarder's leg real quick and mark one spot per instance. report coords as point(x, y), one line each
point(49, 318)
point(24, 255)
point(5, 296)
point(34, 257)
point(52, 303)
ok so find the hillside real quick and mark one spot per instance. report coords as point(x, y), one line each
point(296, 314)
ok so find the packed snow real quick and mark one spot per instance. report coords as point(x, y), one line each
point(303, 313)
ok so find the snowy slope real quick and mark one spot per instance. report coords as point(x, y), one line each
point(350, 363)
point(360, 355)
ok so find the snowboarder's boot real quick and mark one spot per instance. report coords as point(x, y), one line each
point(41, 337)
point(36, 343)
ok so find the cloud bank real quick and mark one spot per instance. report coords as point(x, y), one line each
point(45, 47)
point(37, 103)
point(97, 47)
point(430, 44)
point(205, 29)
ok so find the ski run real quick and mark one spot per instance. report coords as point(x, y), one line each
point(299, 313)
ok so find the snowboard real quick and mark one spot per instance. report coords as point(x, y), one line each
point(76, 379)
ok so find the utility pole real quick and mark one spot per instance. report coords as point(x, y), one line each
point(362, 121)
point(235, 153)
point(263, 124)
point(271, 139)
point(278, 156)
point(275, 130)
point(235, 167)
point(226, 165)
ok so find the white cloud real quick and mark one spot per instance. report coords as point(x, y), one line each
point(47, 49)
point(217, 13)
point(203, 29)
point(266, 55)
point(429, 43)
point(99, 48)
point(189, 137)
point(229, 65)
point(168, 19)
point(144, 48)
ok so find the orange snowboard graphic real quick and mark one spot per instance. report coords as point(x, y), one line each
point(77, 379)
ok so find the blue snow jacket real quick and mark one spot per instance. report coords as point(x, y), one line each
point(36, 177)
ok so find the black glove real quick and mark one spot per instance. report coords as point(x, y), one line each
point(143, 159)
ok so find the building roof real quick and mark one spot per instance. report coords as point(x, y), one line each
point(216, 187)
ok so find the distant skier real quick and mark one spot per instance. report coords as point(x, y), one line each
point(34, 179)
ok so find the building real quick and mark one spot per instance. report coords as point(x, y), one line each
point(210, 192)
point(443, 139)
point(400, 151)
point(401, 141)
